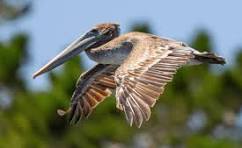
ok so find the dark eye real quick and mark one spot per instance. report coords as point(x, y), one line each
point(94, 31)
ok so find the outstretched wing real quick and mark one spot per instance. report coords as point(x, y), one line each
point(143, 76)
point(92, 88)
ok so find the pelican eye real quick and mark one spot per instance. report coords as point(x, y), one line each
point(94, 31)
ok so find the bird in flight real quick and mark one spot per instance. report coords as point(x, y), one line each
point(136, 66)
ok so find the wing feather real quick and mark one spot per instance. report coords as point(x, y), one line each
point(91, 89)
point(140, 85)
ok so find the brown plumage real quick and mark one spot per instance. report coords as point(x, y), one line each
point(91, 89)
point(137, 65)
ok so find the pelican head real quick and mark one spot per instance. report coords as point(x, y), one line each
point(97, 36)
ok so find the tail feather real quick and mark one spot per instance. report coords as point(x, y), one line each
point(210, 58)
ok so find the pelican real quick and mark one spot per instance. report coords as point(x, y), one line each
point(136, 66)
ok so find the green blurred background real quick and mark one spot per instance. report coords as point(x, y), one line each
point(200, 108)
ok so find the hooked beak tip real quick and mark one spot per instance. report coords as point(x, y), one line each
point(39, 72)
point(72, 50)
point(35, 75)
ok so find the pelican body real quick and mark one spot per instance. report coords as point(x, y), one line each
point(136, 66)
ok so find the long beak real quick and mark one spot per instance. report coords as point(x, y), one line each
point(72, 50)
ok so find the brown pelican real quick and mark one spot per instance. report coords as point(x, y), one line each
point(136, 65)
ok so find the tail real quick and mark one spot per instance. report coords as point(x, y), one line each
point(210, 58)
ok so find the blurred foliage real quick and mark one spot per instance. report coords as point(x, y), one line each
point(13, 54)
point(190, 114)
point(13, 9)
